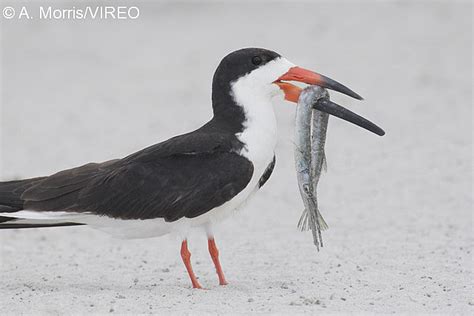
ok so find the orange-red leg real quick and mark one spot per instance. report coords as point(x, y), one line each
point(215, 258)
point(186, 255)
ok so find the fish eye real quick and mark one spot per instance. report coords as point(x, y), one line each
point(256, 60)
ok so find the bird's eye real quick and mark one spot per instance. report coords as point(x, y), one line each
point(256, 60)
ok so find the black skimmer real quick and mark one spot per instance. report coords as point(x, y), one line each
point(191, 180)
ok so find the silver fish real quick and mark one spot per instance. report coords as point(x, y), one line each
point(310, 138)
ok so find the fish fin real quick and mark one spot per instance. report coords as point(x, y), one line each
point(303, 223)
point(322, 222)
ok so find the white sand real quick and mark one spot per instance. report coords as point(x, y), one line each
point(399, 207)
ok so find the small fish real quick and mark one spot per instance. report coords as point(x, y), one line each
point(310, 159)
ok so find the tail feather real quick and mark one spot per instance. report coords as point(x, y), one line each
point(11, 201)
point(13, 225)
point(16, 221)
point(11, 193)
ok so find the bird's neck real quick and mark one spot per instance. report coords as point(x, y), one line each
point(250, 117)
point(228, 116)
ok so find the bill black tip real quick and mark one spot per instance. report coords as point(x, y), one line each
point(327, 106)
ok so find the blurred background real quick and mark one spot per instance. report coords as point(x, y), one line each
point(399, 207)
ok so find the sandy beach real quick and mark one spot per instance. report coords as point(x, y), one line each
point(399, 207)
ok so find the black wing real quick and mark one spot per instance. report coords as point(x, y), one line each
point(182, 177)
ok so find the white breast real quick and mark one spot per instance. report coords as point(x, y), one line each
point(259, 134)
point(254, 93)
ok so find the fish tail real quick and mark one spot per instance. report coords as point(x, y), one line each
point(322, 222)
point(303, 223)
point(316, 223)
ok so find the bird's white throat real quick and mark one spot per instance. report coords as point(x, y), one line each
point(254, 93)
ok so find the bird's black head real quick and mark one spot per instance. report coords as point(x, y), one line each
point(236, 67)
point(240, 63)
